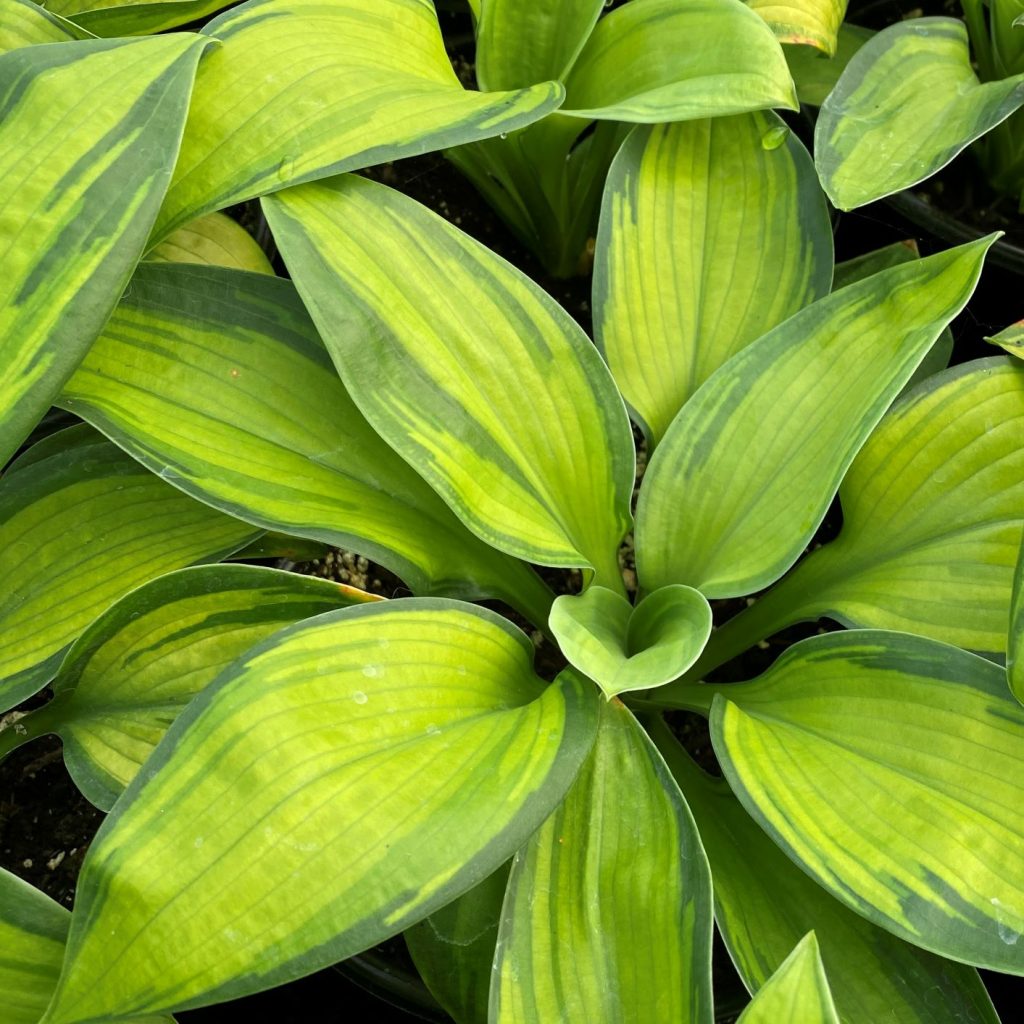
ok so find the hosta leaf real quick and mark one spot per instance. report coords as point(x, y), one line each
point(215, 240)
point(797, 991)
point(374, 83)
point(712, 232)
point(78, 530)
point(453, 949)
point(217, 380)
point(134, 17)
point(1015, 641)
point(128, 676)
point(33, 930)
point(660, 60)
point(88, 138)
point(608, 913)
point(815, 76)
point(750, 464)
point(932, 513)
point(25, 23)
point(625, 648)
point(1011, 339)
point(804, 22)
point(907, 103)
point(340, 781)
point(888, 767)
point(519, 44)
point(440, 342)
point(764, 903)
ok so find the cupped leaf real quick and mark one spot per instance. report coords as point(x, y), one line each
point(217, 380)
point(712, 233)
point(25, 23)
point(88, 138)
point(373, 83)
point(78, 530)
point(804, 22)
point(1011, 339)
point(815, 76)
point(129, 675)
point(907, 103)
point(797, 991)
point(933, 508)
point(453, 949)
point(608, 913)
point(764, 903)
point(135, 17)
point(750, 464)
point(519, 44)
point(888, 767)
point(625, 648)
point(342, 780)
point(214, 240)
point(661, 60)
point(33, 930)
point(469, 370)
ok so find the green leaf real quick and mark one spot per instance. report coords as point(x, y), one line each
point(748, 467)
point(373, 84)
point(907, 103)
point(468, 369)
point(888, 767)
point(214, 240)
point(764, 903)
point(217, 380)
point(453, 949)
point(25, 23)
point(518, 44)
point(342, 780)
point(608, 913)
point(1012, 339)
point(625, 648)
point(712, 232)
point(932, 518)
point(280, 545)
point(129, 675)
point(797, 991)
point(134, 17)
point(78, 530)
point(70, 241)
point(1015, 641)
point(816, 75)
point(659, 60)
point(33, 929)
point(804, 22)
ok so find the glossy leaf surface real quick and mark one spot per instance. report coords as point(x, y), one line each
point(764, 903)
point(79, 189)
point(608, 912)
point(750, 464)
point(214, 240)
point(907, 103)
point(660, 60)
point(933, 508)
point(797, 991)
point(373, 84)
point(804, 22)
point(92, 508)
point(339, 782)
point(130, 674)
point(712, 233)
point(217, 380)
point(468, 369)
point(887, 766)
point(625, 648)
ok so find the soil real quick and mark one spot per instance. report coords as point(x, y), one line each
point(46, 825)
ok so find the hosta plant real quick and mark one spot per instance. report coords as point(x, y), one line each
point(920, 92)
point(295, 770)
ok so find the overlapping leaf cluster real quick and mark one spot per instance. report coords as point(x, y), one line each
point(296, 770)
